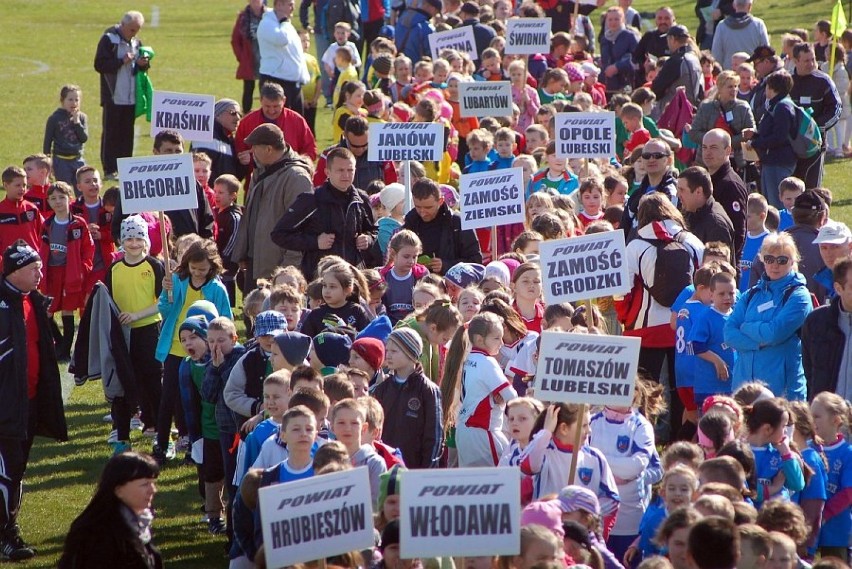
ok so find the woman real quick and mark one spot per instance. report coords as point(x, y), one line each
point(617, 46)
point(764, 326)
point(244, 44)
point(724, 111)
point(115, 528)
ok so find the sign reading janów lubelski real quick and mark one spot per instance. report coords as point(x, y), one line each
point(157, 183)
point(585, 135)
point(587, 368)
point(485, 99)
point(584, 267)
point(423, 141)
point(460, 39)
point(190, 114)
point(527, 36)
point(492, 198)
point(460, 511)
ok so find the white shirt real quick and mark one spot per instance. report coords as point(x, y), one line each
point(281, 54)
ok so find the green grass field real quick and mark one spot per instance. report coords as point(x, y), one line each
point(49, 43)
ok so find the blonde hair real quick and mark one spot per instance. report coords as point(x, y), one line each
point(405, 238)
point(781, 241)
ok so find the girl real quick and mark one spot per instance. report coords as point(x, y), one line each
point(539, 547)
point(515, 338)
point(812, 498)
point(673, 533)
point(196, 278)
point(66, 132)
point(592, 201)
point(289, 275)
point(341, 292)
point(349, 104)
point(436, 324)
point(424, 294)
point(377, 286)
point(580, 505)
point(401, 274)
point(727, 406)
point(475, 393)
point(521, 414)
point(537, 204)
point(523, 95)
point(714, 431)
point(526, 287)
point(469, 302)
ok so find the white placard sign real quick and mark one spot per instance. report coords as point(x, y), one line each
point(157, 183)
point(527, 36)
point(492, 198)
point(587, 368)
point(485, 99)
point(585, 135)
point(580, 268)
point(460, 511)
point(191, 115)
point(460, 39)
point(422, 141)
point(317, 517)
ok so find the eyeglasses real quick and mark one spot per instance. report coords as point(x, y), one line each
point(235, 114)
point(654, 155)
point(350, 144)
point(772, 259)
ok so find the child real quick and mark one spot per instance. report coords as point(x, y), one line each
point(556, 178)
point(402, 274)
point(202, 166)
point(96, 212)
point(328, 351)
point(228, 216)
point(289, 350)
point(552, 86)
point(463, 126)
point(374, 416)
point(289, 302)
point(435, 325)
point(341, 291)
point(747, 81)
point(469, 302)
point(275, 401)
point(377, 286)
point(491, 69)
point(537, 137)
point(348, 97)
point(521, 414)
point(402, 72)
point(706, 338)
point(440, 73)
point(756, 232)
point(367, 355)
point(392, 198)
point(504, 144)
point(342, 32)
point(479, 144)
point(632, 115)
point(65, 133)
point(527, 242)
point(592, 200)
point(349, 427)
point(37, 167)
point(526, 287)
point(299, 432)
point(310, 90)
point(788, 190)
point(812, 498)
point(411, 402)
point(25, 220)
point(755, 546)
point(68, 263)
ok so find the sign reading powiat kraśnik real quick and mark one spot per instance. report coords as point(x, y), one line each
point(492, 198)
point(485, 99)
point(460, 511)
point(527, 36)
point(460, 39)
point(191, 115)
point(317, 517)
point(585, 135)
point(157, 183)
point(587, 368)
point(422, 141)
point(579, 268)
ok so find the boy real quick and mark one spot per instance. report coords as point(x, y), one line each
point(556, 178)
point(491, 69)
point(754, 547)
point(707, 340)
point(536, 136)
point(527, 243)
point(68, 261)
point(21, 218)
point(202, 166)
point(359, 380)
point(228, 216)
point(479, 143)
point(275, 399)
point(349, 426)
point(374, 416)
point(299, 433)
point(367, 355)
point(337, 387)
point(631, 115)
point(305, 377)
point(788, 190)
point(592, 200)
point(756, 232)
point(342, 31)
point(346, 72)
point(96, 212)
point(392, 198)
point(289, 350)
point(289, 302)
point(552, 86)
point(38, 167)
point(504, 144)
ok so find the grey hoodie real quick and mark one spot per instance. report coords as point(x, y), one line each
point(367, 456)
point(738, 32)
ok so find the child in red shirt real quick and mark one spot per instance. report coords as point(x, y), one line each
point(19, 218)
point(38, 167)
point(98, 216)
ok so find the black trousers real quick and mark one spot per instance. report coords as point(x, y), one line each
point(248, 94)
point(292, 91)
point(170, 403)
point(148, 374)
point(810, 170)
point(117, 135)
point(14, 455)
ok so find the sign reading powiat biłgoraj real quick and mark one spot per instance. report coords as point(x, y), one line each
point(191, 115)
point(587, 368)
point(492, 198)
point(580, 268)
point(317, 517)
point(460, 511)
point(423, 141)
point(460, 39)
point(585, 135)
point(485, 99)
point(157, 183)
point(527, 36)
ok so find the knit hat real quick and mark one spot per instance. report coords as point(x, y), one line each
point(389, 484)
point(401, 112)
point(512, 265)
point(269, 323)
point(575, 498)
point(590, 68)
point(294, 346)
point(390, 535)
point(371, 350)
point(464, 274)
point(499, 271)
point(135, 227)
point(383, 63)
point(332, 349)
point(18, 256)
point(224, 105)
point(679, 31)
point(574, 73)
point(195, 324)
point(203, 308)
point(392, 195)
point(409, 341)
point(544, 513)
point(380, 328)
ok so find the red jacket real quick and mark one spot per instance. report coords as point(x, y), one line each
point(105, 243)
point(37, 195)
point(241, 44)
point(20, 220)
point(80, 252)
point(296, 133)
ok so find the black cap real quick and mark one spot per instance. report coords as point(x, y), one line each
point(470, 8)
point(809, 200)
point(761, 52)
point(18, 256)
point(679, 31)
point(434, 3)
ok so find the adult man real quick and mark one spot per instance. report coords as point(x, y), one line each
point(713, 543)
point(835, 243)
point(653, 43)
point(273, 110)
point(765, 64)
point(335, 219)
point(738, 32)
point(814, 90)
point(658, 178)
point(117, 62)
point(356, 139)
point(31, 389)
point(729, 190)
point(705, 217)
point(440, 229)
point(482, 34)
point(280, 177)
point(282, 60)
point(413, 27)
point(222, 149)
point(682, 69)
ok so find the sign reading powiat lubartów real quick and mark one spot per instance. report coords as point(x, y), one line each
point(157, 183)
point(405, 141)
point(526, 36)
point(585, 135)
point(584, 267)
point(587, 368)
point(191, 115)
point(461, 511)
point(317, 517)
point(492, 198)
point(460, 39)
point(485, 99)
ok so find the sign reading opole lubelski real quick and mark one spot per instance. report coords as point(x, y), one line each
point(157, 183)
point(585, 135)
point(189, 114)
point(460, 39)
point(492, 198)
point(422, 141)
point(485, 99)
point(527, 36)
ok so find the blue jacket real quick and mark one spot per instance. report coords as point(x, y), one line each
point(191, 398)
point(620, 54)
point(772, 141)
point(214, 291)
point(763, 328)
point(411, 34)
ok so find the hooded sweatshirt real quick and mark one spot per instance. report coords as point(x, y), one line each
point(738, 32)
point(367, 456)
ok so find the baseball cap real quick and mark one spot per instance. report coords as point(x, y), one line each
point(266, 134)
point(761, 52)
point(679, 31)
point(835, 233)
point(809, 200)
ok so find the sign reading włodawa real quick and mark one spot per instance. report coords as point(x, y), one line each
point(191, 115)
point(157, 183)
point(580, 268)
point(485, 99)
point(527, 36)
point(423, 141)
point(317, 517)
point(587, 368)
point(492, 198)
point(460, 511)
point(460, 39)
point(585, 135)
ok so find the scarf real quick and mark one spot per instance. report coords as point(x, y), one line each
point(610, 35)
point(140, 524)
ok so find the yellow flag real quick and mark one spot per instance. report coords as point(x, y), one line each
point(838, 20)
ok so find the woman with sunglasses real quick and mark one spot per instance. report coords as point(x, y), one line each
point(764, 326)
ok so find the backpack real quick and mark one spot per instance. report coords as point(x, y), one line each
point(673, 270)
point(807, 140)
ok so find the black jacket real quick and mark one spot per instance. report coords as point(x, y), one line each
point(444, 238)
point(109, 544)
point(818, 93)
point(731, 193)
point(324, 212)
point(668, 185)
point(823, 343)
point(711, 223)
point(651, 43)
point(482, 35)
point(222, 152)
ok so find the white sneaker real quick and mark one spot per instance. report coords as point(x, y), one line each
point(107, 418)
point(136, 424)
point(113, 437)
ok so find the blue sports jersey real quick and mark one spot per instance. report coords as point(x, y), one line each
point(651, 520)
point(836, 529)
point(255, 439)
point(767, 464)
point(686, 312)
point(786, 219)
point(708, 331)
point(751, 248)
point(816, 487)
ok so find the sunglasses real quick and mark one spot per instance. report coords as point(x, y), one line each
point(654, 155)
point(357, 146)
point(772, 259)
point(234, 114)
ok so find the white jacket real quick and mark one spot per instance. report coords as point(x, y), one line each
point(281, 54)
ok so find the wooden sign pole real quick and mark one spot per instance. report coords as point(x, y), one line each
point(578, 442)
point(164, 237)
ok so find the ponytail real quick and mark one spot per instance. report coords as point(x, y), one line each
point(456, 355)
